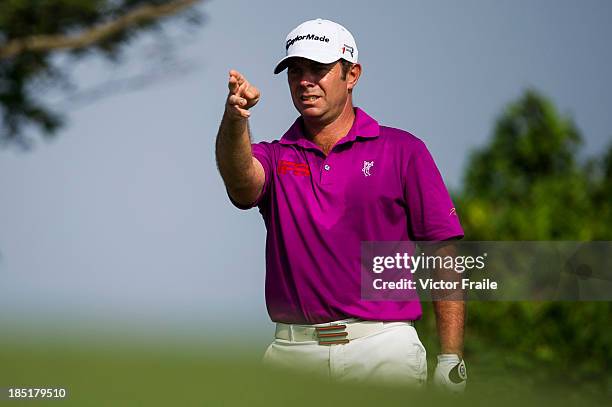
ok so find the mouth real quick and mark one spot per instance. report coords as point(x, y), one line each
point(308, 98)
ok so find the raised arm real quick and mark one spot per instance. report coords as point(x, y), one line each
point(242, 174)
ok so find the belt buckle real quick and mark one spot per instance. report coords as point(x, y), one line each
point(332, 334)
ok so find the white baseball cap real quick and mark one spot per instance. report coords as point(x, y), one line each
point(320, 40)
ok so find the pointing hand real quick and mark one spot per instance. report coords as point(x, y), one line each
point(242, 96)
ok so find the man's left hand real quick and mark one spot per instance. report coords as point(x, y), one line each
point(450, 374)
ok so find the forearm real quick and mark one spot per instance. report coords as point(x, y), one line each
point(450, 373)
point(233, 150)
point(450, 320)
point(448, 305)
point(235, 159)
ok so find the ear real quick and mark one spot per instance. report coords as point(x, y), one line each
point(353, 76)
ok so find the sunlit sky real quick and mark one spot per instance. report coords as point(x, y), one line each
point(123, 215)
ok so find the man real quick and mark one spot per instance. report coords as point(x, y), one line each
point(335, 179)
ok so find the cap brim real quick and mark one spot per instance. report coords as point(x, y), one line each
point(282, 64)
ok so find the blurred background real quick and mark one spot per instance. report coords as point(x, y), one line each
point(122, 263)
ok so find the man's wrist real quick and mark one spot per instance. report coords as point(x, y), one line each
point(455, 348)
point(449, 358)
point(233, 118)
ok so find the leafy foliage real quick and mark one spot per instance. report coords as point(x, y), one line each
point(527, 184)
point(25, 74)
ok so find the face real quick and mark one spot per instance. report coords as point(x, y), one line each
point(318, 90)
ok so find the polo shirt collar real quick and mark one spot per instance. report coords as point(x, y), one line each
point(363, 127)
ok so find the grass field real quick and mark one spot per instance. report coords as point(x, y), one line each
point(109, 371)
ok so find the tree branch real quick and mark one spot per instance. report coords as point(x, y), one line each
point(96, 34)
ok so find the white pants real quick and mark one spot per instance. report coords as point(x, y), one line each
point(393, 355)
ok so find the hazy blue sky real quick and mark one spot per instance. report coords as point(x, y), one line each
point(124, 216)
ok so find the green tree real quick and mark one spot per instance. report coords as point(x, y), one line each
point(527, 184)
point(33, 31)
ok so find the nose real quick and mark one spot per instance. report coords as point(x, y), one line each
point(307, 79)
point(306, 84)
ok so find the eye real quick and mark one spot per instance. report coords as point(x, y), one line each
point(293, 70)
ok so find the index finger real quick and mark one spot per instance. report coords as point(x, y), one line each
point(232, 84)
point(239, 77)
point(235, 80)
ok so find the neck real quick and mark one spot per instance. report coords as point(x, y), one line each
point(326, 134)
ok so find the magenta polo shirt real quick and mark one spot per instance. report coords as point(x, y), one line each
point(377, 184)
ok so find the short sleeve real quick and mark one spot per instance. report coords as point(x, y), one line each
point(431, 213)
point(264, 154)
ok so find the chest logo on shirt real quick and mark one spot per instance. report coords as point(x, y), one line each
point(298, 169)
point(367, 165)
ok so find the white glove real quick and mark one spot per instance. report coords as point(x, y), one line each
point(450, 374)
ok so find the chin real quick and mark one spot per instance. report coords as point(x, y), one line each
point(311, 112)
